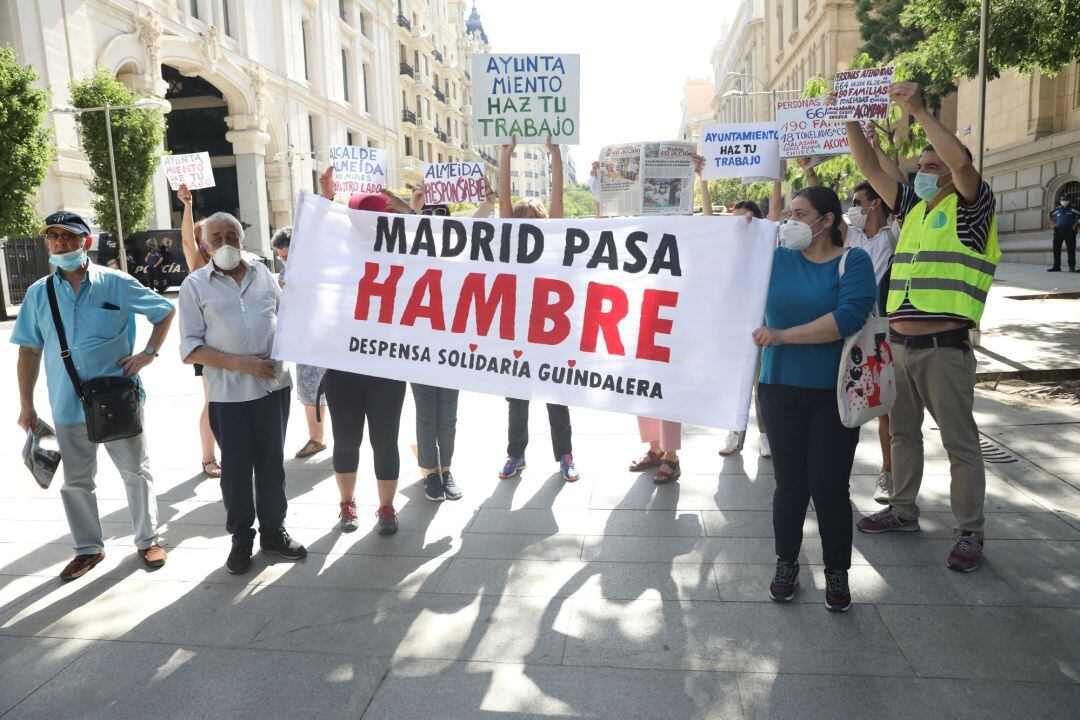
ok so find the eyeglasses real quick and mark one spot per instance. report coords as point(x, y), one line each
point(434, 211)
point(855, 202)
point(65, 236)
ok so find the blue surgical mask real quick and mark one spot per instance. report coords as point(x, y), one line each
point(70, 260)
point(926, 185)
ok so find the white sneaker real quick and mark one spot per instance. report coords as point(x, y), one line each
point(731, 444)
point(763, 447)
point(883, 488)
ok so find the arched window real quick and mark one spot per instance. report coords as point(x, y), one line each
point(1069, 191)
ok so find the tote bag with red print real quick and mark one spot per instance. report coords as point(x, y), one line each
point(866, 384)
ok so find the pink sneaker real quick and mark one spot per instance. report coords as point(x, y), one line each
point(349, 520)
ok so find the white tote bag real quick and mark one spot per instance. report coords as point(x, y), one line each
point(866, 383)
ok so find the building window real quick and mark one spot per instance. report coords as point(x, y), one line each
point(1069, 191)
point(349, 137)
point(408, 145)
point(343, 10)
point(305, 32)
point(363, 24)
point(780, 27)
point(794, 14)
point(421, 146)
point(345, 75)
point(193, 8)
point(367, 100)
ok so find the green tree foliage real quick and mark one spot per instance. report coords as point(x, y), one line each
point(729, 191)
point(25, 143)
point(882, 32)
point(578, 201)
point(137, 136)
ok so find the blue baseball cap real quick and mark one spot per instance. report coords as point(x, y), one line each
point(66, 221)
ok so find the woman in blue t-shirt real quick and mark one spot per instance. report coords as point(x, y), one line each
point(810, 309)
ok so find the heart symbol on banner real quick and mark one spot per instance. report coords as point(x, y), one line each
point(571, 363)
point(517, 353)
point(472, 347)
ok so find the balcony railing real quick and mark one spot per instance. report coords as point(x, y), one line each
point(406, 69)
point(437, 55)
point(404, 22)
point(408, 116)
point(439, 94)
point(441, 135)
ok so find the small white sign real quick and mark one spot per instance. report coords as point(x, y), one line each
point(358, 169)
point(861, 94)
point(453, 182)
point(191, 169)
point(740, 150)
point(527, 96)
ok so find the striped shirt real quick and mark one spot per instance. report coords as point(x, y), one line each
point(972, 227)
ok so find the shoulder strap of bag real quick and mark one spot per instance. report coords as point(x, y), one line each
point(64, 352)
point(843, 261)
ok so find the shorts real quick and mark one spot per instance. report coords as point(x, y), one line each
point(308, 379)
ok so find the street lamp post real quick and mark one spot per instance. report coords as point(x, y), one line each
point(143, 104)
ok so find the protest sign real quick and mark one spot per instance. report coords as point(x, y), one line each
point(741, 150)
point(654, 178)
point(804, 131)
point(861, 94)
point(453, 182)
point(357, 170)
point(614, 314)
point(529, 96)
point(191, 169)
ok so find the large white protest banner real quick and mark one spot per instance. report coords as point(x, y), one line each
point(861, 94)
point(191, 169)
point(529, 96)
point(655, 178)
point(454, 182)
point(645, 316)
point(357, 170)
point(740, 150)
point(804, 131)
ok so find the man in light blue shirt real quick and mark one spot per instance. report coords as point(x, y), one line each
point(97, 306)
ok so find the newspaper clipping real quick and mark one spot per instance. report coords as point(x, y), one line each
point(655, 178)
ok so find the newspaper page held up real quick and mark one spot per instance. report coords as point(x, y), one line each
point(654, 178)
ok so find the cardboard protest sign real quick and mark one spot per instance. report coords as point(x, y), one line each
point(358, 169)
point(861, 94)
point(741, 150)
point(804, 131)
point(453, 182)
point(616, 314)
point(530, 96)
point(191, 169)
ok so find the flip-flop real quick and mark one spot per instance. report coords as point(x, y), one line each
point(216, 471)
point(311, 447)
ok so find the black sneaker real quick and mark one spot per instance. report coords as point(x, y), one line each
point(433, 488)
point(837, 595)
point(387, 524)
point(1053, 269)
point(239, 560)
point(278, 542)
point(784, 582)
point(450, 488)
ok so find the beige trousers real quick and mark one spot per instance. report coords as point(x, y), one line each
point(941, 380)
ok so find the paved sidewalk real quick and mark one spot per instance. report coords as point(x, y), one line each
point(608, 598)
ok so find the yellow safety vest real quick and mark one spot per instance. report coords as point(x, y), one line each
point(936, 271)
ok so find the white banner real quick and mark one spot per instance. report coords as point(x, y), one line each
point(740, 150)
point(530, 96)
point(645, 316)
point(191, 169)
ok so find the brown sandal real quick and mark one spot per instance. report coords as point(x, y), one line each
point(311, 447)
point(211, 467)
point(662, 476)
point(648, 461)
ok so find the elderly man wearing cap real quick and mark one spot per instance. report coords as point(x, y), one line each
point(228, 312)
point(96, 305)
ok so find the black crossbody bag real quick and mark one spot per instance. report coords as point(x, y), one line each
point(112, 405)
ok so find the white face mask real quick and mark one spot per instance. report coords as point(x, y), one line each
point(1064, 203)
point(796, 235)
point(855, 217)
point(227, 257)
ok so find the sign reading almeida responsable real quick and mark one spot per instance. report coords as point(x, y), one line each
point(527, 96)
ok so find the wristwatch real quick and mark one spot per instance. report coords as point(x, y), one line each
point(150, 350)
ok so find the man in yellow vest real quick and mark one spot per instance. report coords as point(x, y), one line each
point(941, 273)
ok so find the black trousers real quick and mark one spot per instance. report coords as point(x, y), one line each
point(1067, 237)
point(518, 431)
point(812, 457)
point(354, 398)
point(251, 436)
